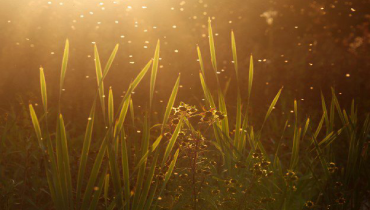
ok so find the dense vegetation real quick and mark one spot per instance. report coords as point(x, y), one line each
point(212, 155)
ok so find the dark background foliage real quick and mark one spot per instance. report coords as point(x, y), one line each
point(305, 46)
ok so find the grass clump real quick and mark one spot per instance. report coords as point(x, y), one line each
point(198, 156)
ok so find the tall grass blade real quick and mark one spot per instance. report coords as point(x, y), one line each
point(132, 113)
point(153, 75)
point(110, 107)
point(98, 191)
point(148, 182)
point(94, 175)
point(172, 141)
point(126, 172)
point(144, 149)
point(250, 78)
point(64, 66)
point(170, 103)
point(110, 61)
point(43, 89)
point(36, 126)
point(200, 59)
point(106, 190)
point(66, 164)
point(212, 47)
point(123, 113)
point(235, 56)
point(207, 93)
point(168, 174)
point(85, 151)
point(272, 105)
point(115, 174)
point(99, 78)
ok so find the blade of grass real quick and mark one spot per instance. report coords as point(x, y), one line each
point(237, 141)
point(145, 156)
point(99, 76)
point(98, 190)
point(43, 89)
point(212, 48)
point(153, 75)
point(207, 94)
point(168, 174)
point(106, 190)
point(66, 163)
point(110, 107)
point(144, 149)
point(85, 151)
point(235, 56)
point(170, 103)
point(272, 105)
point(110, 61)
point(94, 174)
point(250, 78)
point(171, 143)
point(148, 182)
point(64, 66)
point(200, 60)
point(126, 172)
point(132, 113)
point(115, 174)
point(36, 126)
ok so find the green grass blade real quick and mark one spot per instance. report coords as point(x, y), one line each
point(140, 76)
point(272, 105)
point(212, 46)
point(98, 191)
point(250, 79)
point(36, 126)
point(224, 122)
point(94, 175)
point(85, 151)
point(145, 156)
point(110, 61)
point(339, 110)
point(99, 78)
point(116, 180)
point(235, 56)
point(170, 103)
point(66, 163)
point(106, 190)
point(144, 150)
point(250, 85)
point(169, 173)
point(295, 150)
point(148, 182)
point(123, 113)
point(64, 66)
point(153, 75)
point(200, 60)
point(43, 89)
point(306, 128)
point(126, 172)
point(207, 94)
point(237, 139)
point(110, 107)
point(135, 83)
point(132, 113)
point(327, 122)
point(318, 129)
point(172, 141)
